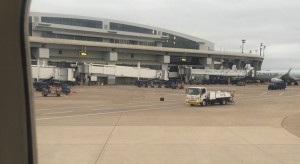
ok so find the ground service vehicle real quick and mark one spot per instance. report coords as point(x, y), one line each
point(201, 96)
point(240, 83)
point(278, 85)
point(56, 91)
point(65, 89)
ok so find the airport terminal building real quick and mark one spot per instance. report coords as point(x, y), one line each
point(66, 41)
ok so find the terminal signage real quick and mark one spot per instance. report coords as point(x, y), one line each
point(183, 59)
point(83, 53)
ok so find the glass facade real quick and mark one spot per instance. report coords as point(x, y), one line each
point(129, 28)
point(48, 34)
point(170, 40)
point(94, 39)
point(179, 42)
point(73, 22)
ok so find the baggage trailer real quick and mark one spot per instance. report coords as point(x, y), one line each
point(201, 96)
point(54, 91)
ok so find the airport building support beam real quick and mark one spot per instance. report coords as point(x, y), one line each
point(111, 58)
point(238, 63)
point(164, 60)
point(41, 55)
point(208, 62)
point(257, 66)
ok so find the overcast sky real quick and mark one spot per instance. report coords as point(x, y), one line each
point(224, 22)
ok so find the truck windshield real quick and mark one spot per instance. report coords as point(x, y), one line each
point(192, 91)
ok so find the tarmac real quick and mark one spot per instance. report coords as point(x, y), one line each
point(130, 125)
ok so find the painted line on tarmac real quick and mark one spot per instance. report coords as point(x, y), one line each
point(275, 97)
point(151, 105)
point(252, 96)
point(95, 109)
point(264, 93)
point(95, 106)
point(73, 107)
point(95, 114)
point(102, 109)
point(281, 93)
point(57, 113)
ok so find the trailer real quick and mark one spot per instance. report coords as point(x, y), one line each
point(201, 96)
point(54, 91)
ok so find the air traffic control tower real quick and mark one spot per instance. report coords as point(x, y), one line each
point(66, 40)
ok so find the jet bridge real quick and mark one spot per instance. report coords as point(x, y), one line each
point(46, 72)
point(216, 72)
point(122, 71)
point(190, 73)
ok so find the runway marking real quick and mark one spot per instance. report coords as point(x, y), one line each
point(103, 108)
point(264, 93)
point(151, 105)
point(94, 106)
point(65, 108)
point(140, 106)
point(270, 98)
point(57, 112)
point(95, 114)
point(251, 96)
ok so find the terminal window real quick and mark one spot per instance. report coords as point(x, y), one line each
point(73, 22)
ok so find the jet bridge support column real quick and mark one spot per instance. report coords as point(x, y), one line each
point(111, 58)
point(164, 60)
point(257, 66)
point(238, 64)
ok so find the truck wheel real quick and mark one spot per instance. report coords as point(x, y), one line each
point(58, 95)
point(208, 103)
point(191, 104)
point(45, 95)
point(204, 103)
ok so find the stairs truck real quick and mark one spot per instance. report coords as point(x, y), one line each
point(201, 96)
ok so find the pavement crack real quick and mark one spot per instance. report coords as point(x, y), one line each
point(108, 139)
point(255, 145)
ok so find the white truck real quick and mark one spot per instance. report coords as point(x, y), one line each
point(201, 96)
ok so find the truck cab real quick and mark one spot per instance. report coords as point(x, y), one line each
point(195, 95)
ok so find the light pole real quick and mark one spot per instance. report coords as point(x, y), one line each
point(243, 42)
point(264, 50)
point(260, 48)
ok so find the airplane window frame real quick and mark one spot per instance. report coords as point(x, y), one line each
point(17, 123)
